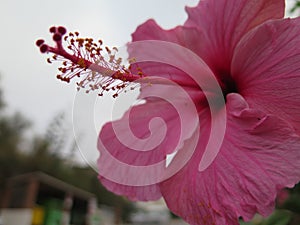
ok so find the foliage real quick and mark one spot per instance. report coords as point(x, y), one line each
point(295, 7)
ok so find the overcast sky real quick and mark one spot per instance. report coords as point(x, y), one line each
point(29, 83)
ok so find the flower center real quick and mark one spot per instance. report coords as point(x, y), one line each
point(227, 83)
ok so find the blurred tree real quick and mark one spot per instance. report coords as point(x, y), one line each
point(12, 159)
point(12, 128)
point(295, 7)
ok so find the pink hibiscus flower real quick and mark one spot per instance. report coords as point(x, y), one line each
point(254, 55)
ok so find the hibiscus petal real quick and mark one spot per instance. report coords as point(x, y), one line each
point(259, 156)
point(266, 68)
point(133, 149)
point(224, 22)
point(185, 37)
point(191, 64)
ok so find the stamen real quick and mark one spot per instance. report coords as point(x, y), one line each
point(84, 59)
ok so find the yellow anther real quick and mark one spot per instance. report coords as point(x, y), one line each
point(132, 60)
point(81, 63)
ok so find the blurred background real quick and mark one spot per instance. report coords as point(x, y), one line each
point(45, 175)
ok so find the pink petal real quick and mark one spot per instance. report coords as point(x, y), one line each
point(185, 37)
point(224, 22)
point(259, 156)
point(133, 149)
point(205, 83)
point(266, 68)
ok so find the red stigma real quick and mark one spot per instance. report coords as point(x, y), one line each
point(57, 37)
point(44, 48)
point(62, 30)
point(39, 42)
point(52, 29)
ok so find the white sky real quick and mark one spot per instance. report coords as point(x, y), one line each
point(28, 82)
